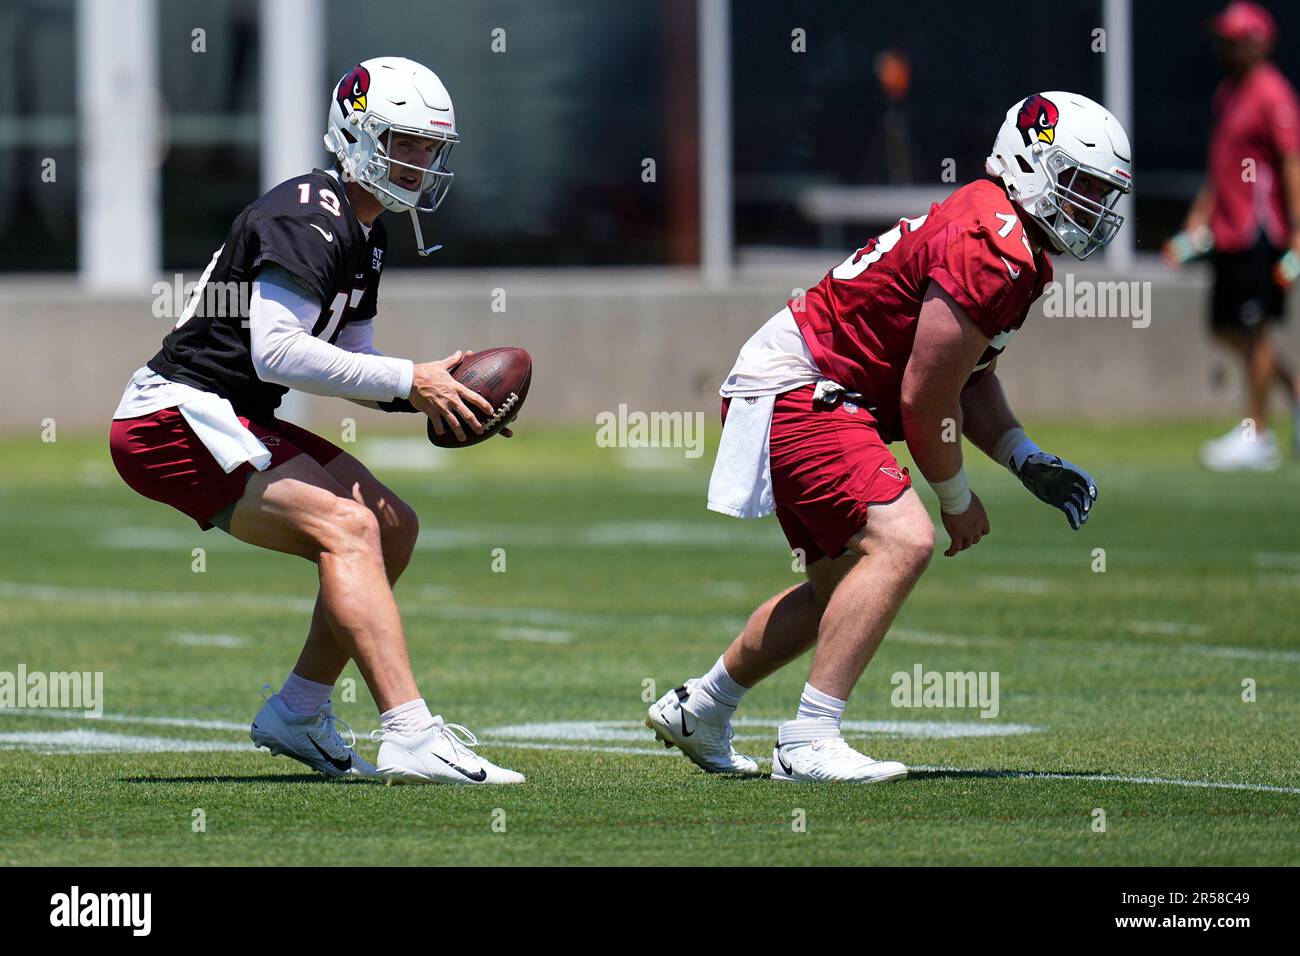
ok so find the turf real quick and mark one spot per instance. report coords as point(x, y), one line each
point(616, 576)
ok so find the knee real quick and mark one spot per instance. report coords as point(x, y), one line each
point(351, 528)
point(401, 531)
point(912, 543)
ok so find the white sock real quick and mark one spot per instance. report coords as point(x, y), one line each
point(717, 695)
point(302, 696)
point(814, 705)
point(413, 717)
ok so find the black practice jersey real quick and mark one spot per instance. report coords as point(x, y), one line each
point(304, 225)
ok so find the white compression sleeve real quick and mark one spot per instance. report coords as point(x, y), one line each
point(286, 353)
point(1013, 448)
point(358, 337)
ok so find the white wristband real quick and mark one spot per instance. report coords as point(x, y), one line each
point(954, 494)
point(1013, 448)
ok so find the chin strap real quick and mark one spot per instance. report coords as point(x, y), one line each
point(419, 237)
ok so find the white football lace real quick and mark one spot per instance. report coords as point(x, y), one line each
point(461, 737)
point(328, 720)
point(501, 412)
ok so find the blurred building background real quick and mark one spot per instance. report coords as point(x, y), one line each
point(782, 134)
point(556, 127)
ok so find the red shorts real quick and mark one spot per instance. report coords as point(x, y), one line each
point(829, 466)
point(160, 457)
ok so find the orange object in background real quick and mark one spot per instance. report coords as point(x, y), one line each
point(895, 74)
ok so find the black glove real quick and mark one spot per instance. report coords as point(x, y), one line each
point(1061, 484)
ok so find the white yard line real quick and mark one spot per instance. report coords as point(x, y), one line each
point(909, 635)
point(1244, 653)
point(127, 719)
point(1110, 778)
point(1287, 560)
point(533, 635)
point(1010, 584)
point(1166, 628)
point(917, 729)
point(98, 741)
point(228, 641)
point(121, 597)
point(85, 740)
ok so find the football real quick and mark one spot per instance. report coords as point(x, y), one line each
point(502, 376)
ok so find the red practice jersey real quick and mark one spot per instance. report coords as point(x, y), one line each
point(860, 320)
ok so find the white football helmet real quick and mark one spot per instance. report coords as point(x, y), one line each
point(381, 97)
point(1045, 144)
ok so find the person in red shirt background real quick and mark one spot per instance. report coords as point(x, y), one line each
point(1247, 218)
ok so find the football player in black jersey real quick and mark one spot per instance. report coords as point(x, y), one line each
point(196, 427)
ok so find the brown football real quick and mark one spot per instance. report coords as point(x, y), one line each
point(502, 376)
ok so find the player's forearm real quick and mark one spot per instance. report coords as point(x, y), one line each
point(285, 353)
point(987, 416)
point(928, 418)
point(319, 368)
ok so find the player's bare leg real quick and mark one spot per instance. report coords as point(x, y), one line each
point(323, 656)
point(298, 508)
point(786, 624)
point(782, 628)
point(894, 550)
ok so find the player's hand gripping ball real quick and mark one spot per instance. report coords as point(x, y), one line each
point(502, 376)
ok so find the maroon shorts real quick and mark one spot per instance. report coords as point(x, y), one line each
point(160, 457)
point(829, 466)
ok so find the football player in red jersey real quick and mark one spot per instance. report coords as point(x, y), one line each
point(196, 427)
point(899, 341)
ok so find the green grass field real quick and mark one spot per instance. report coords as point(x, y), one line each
point(1123, 688)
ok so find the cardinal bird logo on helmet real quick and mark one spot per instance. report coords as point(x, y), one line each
point(353, 89)
point(1037, 120)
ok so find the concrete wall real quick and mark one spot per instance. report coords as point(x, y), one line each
point(655, 339)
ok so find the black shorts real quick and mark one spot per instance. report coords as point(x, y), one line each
point(1245, 295)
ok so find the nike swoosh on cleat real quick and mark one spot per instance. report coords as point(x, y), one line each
point(682, 693)
point(478, 777)
point(335, 762)
point(784, 766)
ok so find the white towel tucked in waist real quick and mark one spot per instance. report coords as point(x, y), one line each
point(741, 484)
point(214, 420)
point(212, 417)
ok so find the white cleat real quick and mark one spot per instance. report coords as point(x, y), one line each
point(706, 743)
point(806, 753)
point(313, 739)
point(1236, 452)
point(440, 754)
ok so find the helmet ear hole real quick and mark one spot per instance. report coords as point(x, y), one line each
point(1024, 164)
point(348, 135)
